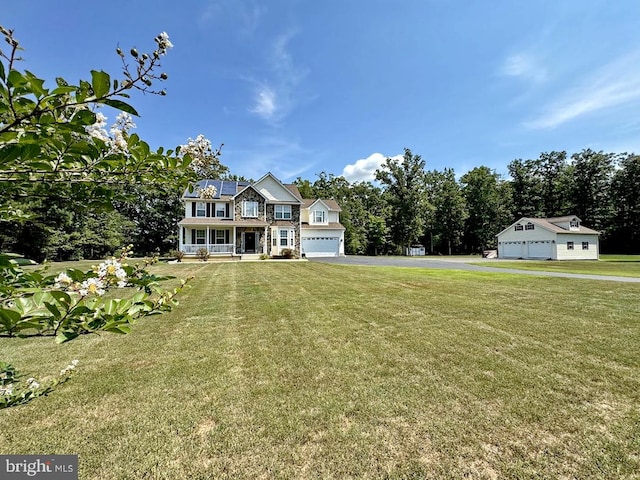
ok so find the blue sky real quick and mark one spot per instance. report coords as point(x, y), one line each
point(298, 87)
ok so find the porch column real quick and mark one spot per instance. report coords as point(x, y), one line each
point(206, 241)
point(180, 230)
point(233, 241)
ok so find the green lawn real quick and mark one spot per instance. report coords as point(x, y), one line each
point(616, 265)
point(307, 370)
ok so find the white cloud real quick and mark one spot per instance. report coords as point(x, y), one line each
point(525, 66)
point(615, 84)
point(265, 102)
point(364, 169)
point(275, 97)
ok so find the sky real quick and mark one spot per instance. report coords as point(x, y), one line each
point(300, 87)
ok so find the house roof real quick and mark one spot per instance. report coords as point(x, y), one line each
point(222, 222)
point(293, 188)
point(225, 189)
point(329, 226)
point(330, 204)
point(550, 224)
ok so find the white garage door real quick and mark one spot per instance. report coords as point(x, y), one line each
point(540, 249)
point(321, 246)
point(510, 250)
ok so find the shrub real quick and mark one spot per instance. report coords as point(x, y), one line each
point(288, 253)
point(203, 254)
point(177, 254)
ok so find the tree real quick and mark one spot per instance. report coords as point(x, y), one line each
point(54, 146)
point(487, 206)
point(449, 207)
point(526, 189)
point(590, 190)
point(404, 186)
point(625, 190)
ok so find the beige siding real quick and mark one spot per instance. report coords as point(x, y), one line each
point(564, 253)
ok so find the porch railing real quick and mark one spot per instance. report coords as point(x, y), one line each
point(221, 248)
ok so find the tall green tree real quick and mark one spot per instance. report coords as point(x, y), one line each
point(450, 210)
point(488, 207)
point(404, 184)
point(625, 235)
point(590, 191)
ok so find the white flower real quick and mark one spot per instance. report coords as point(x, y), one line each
point(32, 384)
point(163, 42)
point(7, 390)
point(97, 130)
point(122, 284)
point(208, 192)
point(92, 285)
point(62, 280)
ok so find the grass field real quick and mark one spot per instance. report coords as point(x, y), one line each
point(615, 265)
point(307, 370)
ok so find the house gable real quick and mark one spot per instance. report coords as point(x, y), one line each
point(274, 191)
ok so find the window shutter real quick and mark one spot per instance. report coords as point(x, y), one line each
point(193, 209)
point(226, 235)
point(227, 210)
point(208, 209)
point(193, 235)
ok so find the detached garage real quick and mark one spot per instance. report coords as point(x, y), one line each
point(557, 238)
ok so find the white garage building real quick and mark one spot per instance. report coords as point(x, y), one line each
point(558, 238)
point(322, 235)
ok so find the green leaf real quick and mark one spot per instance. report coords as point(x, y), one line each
point(2, 73)
point(100, 82)
point(66, 336)
point(120, 105)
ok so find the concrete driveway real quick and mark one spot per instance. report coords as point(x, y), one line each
point(452, 263)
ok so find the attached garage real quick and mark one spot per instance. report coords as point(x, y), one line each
point(321, 246)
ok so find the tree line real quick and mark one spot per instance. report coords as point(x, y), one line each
point(412, 205)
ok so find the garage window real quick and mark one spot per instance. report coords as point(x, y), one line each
point(569, 245)
point(519, 227)
point(529, 226)
point(585, 245)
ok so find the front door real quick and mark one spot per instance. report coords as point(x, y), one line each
point(249, 242)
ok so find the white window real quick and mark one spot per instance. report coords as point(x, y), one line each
point(201, 209)
point(318, 216)
point(569, 245)
point(519, 227)
point(284, 238)
point(283, 212)
point(574, 224)
point(220, 236)
point(220, 210)
point(250, 209)
point(200, 237)
point(585, 245)
point(529, 226)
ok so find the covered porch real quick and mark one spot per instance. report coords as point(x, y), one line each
point(226, 239)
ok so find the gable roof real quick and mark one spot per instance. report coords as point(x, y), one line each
point(293, 198)
point(329, 203)
point(550, 224)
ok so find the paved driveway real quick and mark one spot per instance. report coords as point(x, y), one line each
point(458, 264)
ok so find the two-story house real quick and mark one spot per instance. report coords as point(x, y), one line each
point(230, 218)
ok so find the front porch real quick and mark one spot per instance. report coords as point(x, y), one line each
point(222, 242)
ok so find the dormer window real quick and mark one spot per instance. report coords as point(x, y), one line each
point(318, 216)
point(574, 224)
point(529, 226)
